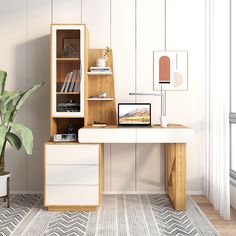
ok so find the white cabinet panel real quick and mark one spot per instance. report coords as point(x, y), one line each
point(72, 154)
point(71, 195)
point(71, 174)
point(107, 135)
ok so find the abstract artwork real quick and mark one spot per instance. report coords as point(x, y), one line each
point(170, 70)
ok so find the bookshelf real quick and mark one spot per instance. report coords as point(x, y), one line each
point(68, 73)
point(100, 109)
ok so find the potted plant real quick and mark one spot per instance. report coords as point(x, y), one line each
point(101, 61)
point(12, 132)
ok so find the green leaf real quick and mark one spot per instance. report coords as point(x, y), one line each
point(3, 76)
point(10, 96)
point(11, 108)
point(26, 136)
point(24, 97)
point(2, 106)
point(3, 131)
point(14, 140)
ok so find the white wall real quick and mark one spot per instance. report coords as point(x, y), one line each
point(133, 29)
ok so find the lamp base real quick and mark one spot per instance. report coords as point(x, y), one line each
point(164, 121)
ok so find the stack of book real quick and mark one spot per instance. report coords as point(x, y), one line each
point(106, 69)
point(71, 82)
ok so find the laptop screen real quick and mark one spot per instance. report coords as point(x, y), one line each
point(134, 114)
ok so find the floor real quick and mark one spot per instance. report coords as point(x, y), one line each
point(225, 228)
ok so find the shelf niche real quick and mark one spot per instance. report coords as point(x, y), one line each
point(100, 110)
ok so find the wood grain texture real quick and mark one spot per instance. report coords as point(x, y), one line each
point(97, 110)
point(225, 228)
point(176, 175)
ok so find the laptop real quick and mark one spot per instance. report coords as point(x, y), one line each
point(134, 114)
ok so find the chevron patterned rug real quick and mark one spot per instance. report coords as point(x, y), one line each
point(119, 215)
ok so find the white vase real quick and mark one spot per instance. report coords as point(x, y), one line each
point(3, 184)
point(101, 62)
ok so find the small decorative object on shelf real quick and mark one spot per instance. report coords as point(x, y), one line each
point(70, 106)
point(102, 70)
point(71, 129)
point(99, 124)
point(71, 47)
point(64, 137)
point(101, 61)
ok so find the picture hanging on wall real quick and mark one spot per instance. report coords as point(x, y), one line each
point(170, 70)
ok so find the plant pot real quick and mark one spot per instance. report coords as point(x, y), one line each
point(101, 62)
point(3, 184)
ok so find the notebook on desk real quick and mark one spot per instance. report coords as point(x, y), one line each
point(134, 114)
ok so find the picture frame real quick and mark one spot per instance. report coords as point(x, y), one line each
point(170, 70)
point(71, 47)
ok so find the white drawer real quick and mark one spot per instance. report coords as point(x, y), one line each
point(72, 174)
point(72, 195)
point(107, 135)
point(72, 153)
point(164, 135)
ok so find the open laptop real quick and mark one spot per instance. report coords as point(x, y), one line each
point(134, 114)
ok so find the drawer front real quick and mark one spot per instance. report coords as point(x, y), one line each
point(72, 174)
point(72, 153)
point(107, 135)
point(72, 195)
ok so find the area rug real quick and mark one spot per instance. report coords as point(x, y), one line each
point(119, 215)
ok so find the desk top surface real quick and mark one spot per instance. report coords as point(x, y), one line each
point(158, 126)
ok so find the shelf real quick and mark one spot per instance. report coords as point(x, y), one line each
point(68, 93)
point(67, 59)
point(100, 99)
point(99, 73)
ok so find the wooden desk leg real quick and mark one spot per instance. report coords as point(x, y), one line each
point(176, 175)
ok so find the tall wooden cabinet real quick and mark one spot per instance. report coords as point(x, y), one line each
point(73, 176)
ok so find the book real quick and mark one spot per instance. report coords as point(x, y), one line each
point(99, 125)
point(77, 83)
point(64, 84)
point(100, 69)
point(72, 84)
point(68, 82)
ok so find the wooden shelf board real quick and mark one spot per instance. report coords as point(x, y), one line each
point(100, 99)
point(68, 59)
point(99, 73)
point(65, 93)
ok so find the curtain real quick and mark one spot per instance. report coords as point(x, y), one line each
point(218, 105)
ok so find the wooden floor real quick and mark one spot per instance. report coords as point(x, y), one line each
point(223, 227)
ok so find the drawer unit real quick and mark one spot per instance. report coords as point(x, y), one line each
point(73, 175)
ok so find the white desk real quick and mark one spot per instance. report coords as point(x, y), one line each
point(175, 136)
